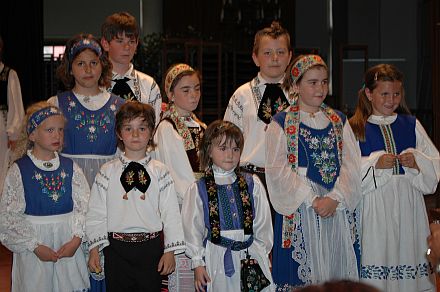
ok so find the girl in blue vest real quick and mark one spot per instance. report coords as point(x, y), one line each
point(42, 210)
point(90, 136)
point(312, 174)
point(226, 214)
point(400, 164)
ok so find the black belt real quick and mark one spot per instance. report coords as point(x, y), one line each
point(133, 237)
point(252, 168)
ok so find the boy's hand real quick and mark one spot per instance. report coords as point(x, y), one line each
point(201, 278)
point(408, 160)
point(167, 264)
point(325, 206)
point(386, 161)
point(94, 264)
point(69, 248)
point(46, 254)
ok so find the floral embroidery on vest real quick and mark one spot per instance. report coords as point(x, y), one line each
point(291, 127)
point(52, 186)
point(95, 123)
point(322, 157)
point(213, 206)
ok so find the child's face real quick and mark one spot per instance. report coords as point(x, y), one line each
point(186, 94)
point(135, 135)
point(121, 49)
point(273, 57)
point(48, 137)
point(385, 98)
point(225, 154)
point(86, 69)
point(312, 89)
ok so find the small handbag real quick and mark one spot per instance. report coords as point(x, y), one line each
point(251, 276)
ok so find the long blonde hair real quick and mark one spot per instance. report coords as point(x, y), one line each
point(381, 72)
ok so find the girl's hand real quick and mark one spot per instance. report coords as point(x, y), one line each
point(69, 248)
point(386, 161)
point(46, 254)
point(167, 264)
point(408, 160)
point(94, 264)
point(325, 206)
point(201, 278)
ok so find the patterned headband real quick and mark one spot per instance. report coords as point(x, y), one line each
point(173, 73)
point(85, 44)
point(39, 116)
point(302, 65)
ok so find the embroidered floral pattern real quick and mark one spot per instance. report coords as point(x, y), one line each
point(322, 156)
point(213, 206)
point(96, 124)
point(53, 185)
point(291, 125)
point(395, 272)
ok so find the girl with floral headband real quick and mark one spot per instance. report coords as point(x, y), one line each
point(226, 215)
point(42, 209)
point(313, 179)
point(178, 137)
point(90, 137)
point(400, 164)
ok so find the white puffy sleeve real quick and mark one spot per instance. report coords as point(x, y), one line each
point(15, 107)
point(347, 188)
point(263, 231)
point(96, 217)
point(170, 214)
point(80, 196)
point(428, 161)
point(171, 152)
point(287, 190)
point(16, 232)
point(194, 226)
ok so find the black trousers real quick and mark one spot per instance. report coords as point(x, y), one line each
point(132, 266)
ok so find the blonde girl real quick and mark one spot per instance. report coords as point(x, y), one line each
point(400, 164)
point(42, 210)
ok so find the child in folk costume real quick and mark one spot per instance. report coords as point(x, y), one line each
point(225, 214)
point(313, 179)
point(132, 202)
point(399, 165)
point(120, 38)
point(90, 138)
point(11, 114)
point(178, 137)
point(253, 104)
point(42, 211)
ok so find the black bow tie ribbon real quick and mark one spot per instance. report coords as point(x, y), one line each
point(122, 89)
point(135, 176)
point(272, 102)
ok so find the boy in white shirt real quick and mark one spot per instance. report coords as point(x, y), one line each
point(120, 38)
point(133, 200)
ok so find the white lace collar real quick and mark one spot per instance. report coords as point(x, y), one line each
point(223, 177)
point(382, 120)
point(85, 99)
point(47, 165)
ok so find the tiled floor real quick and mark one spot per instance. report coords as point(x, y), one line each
point(5, 269)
